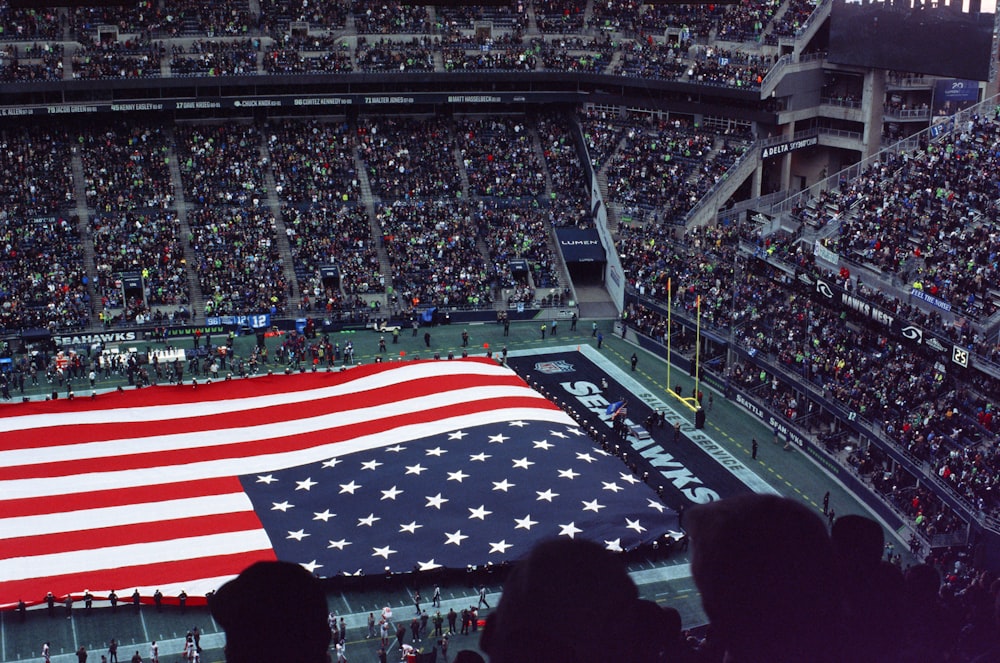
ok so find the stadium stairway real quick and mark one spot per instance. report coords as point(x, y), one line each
point(536, 146)
point(561, 270)
point(813, 24)
point(82, 211)
point(532, 19)
point(197, 303)
point(281, 232)
point(460, 164)
point(368, 200)
point(614, 209)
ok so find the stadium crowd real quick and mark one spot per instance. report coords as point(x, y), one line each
point(312, 162)
point(338, 236)
point(216, 57)
point(432, 247)
point(931, 222)
point(126, 168)
point(667, 167)
point(500, 158)
point(279, 37)
point(149, 244)
point(398, 172)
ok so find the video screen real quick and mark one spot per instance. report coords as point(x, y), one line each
point(938, 39)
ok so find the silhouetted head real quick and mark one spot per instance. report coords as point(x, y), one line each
point(273, 611)
point(586, 590)
point(765, 568)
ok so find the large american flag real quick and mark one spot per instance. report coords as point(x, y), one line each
point(406, 465)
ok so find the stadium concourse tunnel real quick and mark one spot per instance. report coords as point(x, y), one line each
point(584, 255)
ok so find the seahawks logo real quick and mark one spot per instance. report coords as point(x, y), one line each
point(913, 333)
point(824, 289)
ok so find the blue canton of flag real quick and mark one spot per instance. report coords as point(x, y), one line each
point(470, 496)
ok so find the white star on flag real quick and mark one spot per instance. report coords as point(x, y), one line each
point(455, 537)
point(305, 485)
point(653, 504)
point(525, 523)
point(634, 524)
point(391, 493)
point(628, 478)
point(368, 521)
point(570, 530)
point(479, 513)
point(383, 552)
point(436, 501)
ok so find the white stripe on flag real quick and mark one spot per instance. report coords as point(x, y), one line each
point(156, 552)
point(97, 519)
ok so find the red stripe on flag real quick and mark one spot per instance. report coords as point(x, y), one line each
point(32, 506)
point(126, 535)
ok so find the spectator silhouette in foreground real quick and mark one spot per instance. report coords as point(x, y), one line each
point(872, 589)
point(765, 568)
point(596, 603)
point(273, 611)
